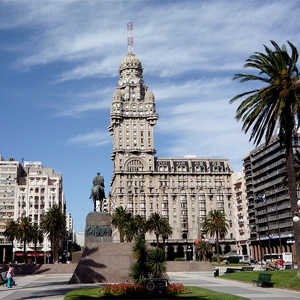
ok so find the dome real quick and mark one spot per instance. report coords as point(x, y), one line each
point(149, 97)
point(131, 61)
point(117, 96)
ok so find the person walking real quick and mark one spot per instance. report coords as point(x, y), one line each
point(10, 275)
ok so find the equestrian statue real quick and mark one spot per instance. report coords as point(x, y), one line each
point(97, 192)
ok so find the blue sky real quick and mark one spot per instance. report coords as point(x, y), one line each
point(59, 65)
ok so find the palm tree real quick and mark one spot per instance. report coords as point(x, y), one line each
point(37, 236)
point(120, 219)
point(24, 230)
point(157, 262)
point(203, 248)
point(139, 270)
point(11, 231)
point(141, 225)
point(216, 225)
point(130, 228)
point(54, 224)
point(166, 231)
point(155, 224)
point(275, 105)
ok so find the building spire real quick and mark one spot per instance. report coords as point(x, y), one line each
point(130, 38)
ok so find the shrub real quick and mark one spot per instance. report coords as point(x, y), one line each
point(233, 259)
point(179, 259)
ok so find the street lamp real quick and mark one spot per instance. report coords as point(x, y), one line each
point(67, 254)
point(291, 241)
point(296, 218)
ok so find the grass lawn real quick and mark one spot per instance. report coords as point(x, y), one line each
point(195, 293)
point(284, 278)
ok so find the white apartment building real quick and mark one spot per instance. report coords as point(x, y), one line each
point(10, 171)
point(241, 220)
point(38, 189)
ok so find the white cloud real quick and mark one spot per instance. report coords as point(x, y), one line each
point(96, 138)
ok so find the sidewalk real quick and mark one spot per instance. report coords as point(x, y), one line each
point(247, 290)
point(54, 286)
point(42, 287)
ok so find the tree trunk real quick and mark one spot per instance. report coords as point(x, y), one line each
point(293, 198)
point(218, 250)
point(157, 240)
point(35, 252)
point(25, 254)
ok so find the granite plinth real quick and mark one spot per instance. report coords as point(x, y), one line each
point(98, 228)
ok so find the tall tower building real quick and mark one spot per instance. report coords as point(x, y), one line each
point(269, 207)
point(183, 190)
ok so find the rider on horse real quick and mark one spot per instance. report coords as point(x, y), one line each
point(97, 192)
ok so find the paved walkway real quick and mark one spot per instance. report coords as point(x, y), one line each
point(54, 286)
point(247, 290)
point(44, 287)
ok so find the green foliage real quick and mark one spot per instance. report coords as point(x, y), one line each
point(179, 259)
point(274, 106)
point(203, 248)
point(283, 278)
point(233, 259)
point(149, 263)
point(157, 262)
point(215, 224)
point(160, 226)
point(54, 224)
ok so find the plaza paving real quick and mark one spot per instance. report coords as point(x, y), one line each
point(54, 286)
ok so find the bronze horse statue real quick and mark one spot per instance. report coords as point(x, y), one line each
point(97, 192)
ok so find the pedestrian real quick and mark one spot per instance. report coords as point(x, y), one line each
point(4, 276)
point(10, 275)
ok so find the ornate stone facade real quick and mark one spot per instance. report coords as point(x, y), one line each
point(183, 190)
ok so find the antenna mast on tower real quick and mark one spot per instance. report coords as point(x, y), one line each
point(130, 38)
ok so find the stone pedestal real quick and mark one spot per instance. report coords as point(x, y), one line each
point(98, 228)
point(102, 260)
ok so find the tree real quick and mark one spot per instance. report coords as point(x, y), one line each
point(274, 105)
point(215, 224)
point(203, 248)
point(157, 224)
point(166, 231)
point(11, 231)
point(53, 223)
point(24, 231)
point(120, 219)
point(157, 262)
point(141, 225)
point(37, 236)
point(139, 270)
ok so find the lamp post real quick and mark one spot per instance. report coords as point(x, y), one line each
point(279, 233)
point(67, 254)
point(291, 241)
point(257, 228)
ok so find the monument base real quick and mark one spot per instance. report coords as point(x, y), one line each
point(102, 260)
point(98, 228)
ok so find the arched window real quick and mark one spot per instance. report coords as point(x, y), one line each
point(135, 165)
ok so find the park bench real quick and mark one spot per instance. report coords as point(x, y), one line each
point(247, 268)
point(232, 270)
point(264, 279)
